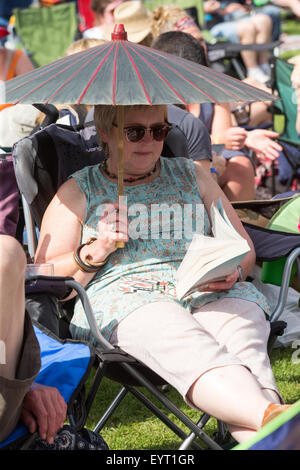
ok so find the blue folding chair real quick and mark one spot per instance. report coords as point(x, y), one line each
point(65, 364)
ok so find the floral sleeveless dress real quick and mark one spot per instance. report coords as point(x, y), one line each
point(144, 270)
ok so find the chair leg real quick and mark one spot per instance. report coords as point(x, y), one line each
point(115, 403)
point(188, 442)
point(155, 410)
point(171, 407)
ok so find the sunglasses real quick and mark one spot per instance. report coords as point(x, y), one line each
point(158, 132)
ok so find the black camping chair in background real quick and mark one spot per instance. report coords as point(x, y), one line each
point(42, 162)
point(226, 57)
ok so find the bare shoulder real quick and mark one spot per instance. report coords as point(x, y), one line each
point(69, 198)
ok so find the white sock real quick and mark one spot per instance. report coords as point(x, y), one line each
point(257, 74)
point(266, 68)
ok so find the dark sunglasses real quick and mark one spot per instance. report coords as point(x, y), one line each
point(136, 133)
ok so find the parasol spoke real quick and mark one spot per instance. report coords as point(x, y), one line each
point(95, 74)
point(138, 74)
point(205, 73)
point(161, 76)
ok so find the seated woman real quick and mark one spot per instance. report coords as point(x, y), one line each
point(212, 345)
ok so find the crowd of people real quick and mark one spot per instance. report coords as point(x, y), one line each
point(211, 346)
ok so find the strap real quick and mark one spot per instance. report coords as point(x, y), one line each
point(13, 63)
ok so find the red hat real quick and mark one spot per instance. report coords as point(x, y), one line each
point(3, 32)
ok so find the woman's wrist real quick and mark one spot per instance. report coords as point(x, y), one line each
point(92, 253)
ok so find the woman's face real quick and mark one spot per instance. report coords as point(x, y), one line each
point(139, 157)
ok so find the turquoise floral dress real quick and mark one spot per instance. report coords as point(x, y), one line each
point(162, 216)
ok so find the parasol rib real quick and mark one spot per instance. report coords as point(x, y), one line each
point(138, 74)
point(159, 74)
point(95, 74)
point(46, 72)
point(184, 79)
point(212, 74)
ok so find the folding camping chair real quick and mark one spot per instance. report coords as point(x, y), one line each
point(41, 164)
point(46, 32)
point(9, 195)
point(284, 122)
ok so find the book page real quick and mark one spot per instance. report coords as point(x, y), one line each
point(211, 258)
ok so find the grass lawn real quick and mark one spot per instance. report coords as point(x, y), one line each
point(133, 427)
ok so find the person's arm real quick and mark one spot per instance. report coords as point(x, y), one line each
point(24, 65)
point(222, 131)
point(295, 79)
point(211, 192)
point(61, 233)
point(262, 143)
point(197, 138)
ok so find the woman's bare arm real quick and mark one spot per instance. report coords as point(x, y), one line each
point(60, 233)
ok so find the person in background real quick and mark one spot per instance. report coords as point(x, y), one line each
point(173, 18)
point(136, 19)
point(12, 63)
point(295, 79)
point(103, 11)
point(233, 23)
point(237, 181)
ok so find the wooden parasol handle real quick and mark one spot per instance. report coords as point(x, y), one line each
point(120, 123)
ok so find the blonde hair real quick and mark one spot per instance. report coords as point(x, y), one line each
point(165, 18)
point(84, 44)
point(105, 115)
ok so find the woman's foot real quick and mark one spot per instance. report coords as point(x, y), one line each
point(272, 411)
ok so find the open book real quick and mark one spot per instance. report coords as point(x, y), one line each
point(211, 258)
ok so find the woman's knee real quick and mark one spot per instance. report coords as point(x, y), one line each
point(246, 31)
point(238, 168)
point(262, 23)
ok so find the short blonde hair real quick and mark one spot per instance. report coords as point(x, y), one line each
point(83, 44)
point(164, 19)
point(105, 115)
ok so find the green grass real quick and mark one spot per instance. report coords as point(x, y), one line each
point(291, 27)
point(134, 427)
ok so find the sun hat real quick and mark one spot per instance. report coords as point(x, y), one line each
point(17, 122)
point(136, 19)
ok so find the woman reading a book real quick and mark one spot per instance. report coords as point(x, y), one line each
point(211, 346)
